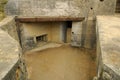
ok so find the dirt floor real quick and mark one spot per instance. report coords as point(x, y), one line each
point(61, 63)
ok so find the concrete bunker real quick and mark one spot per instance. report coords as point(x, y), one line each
point(59, 30)
point(58, 36)
point(42, 24)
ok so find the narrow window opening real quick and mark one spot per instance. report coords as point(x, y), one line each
point(41, 38)
point(101, 0)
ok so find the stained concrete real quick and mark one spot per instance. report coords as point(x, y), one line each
point(9, 55)
point(43, 46)
point(12, 66)
point(8, 25)
point(64, 8)
point(54, 30)
point(108, 38)
point(70, 8)
point(61, 63)
point(76, 35)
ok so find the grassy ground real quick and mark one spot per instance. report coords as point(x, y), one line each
point(2, 3)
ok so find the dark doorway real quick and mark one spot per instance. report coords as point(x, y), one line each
point(67, 31)
point(118, 6)
point(69, 24)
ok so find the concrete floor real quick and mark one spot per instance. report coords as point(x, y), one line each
point(61, 63)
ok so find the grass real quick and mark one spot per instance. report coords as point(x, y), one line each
point(2, 4)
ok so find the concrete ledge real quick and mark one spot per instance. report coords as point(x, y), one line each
point(9, 26)
point(12, 66)
point(48, 19)
point(9, 53)
point(108, 50)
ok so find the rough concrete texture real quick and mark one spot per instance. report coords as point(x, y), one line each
point(89, 34)
point(67, 8)
point(70, 8)
point(12, 65)
point(53, 30)
point(108, 28)
point(9, 53)
point(9, 26)
point(76, 37)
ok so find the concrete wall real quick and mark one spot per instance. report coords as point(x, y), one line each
point(29, 32)
point(89, 33)
point(70, 8)
point(9, 26)
point(12, 66)
point(76, 34)
point(50, 28)
point(108, 48)
point(17, 72)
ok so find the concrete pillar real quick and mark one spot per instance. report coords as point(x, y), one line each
point(90, 34)
point(76, 35)
point(63, 31)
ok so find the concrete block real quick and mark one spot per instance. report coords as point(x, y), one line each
point(76, 35)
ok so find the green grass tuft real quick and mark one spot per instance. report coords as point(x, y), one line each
point(2, 4)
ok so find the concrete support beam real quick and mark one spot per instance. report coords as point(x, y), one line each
point(48, 19)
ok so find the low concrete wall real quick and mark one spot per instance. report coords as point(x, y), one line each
point(108, 47)
point(9, 26)
point(12, 66)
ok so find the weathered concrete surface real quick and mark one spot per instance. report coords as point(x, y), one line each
point(29, 32)
point(12, 65)
point(8, 24)
point(70, 8)
point(9, 53)
point(76, 34)
point(43, 46)
point(104, 7)
point(108, 38)
point(89, 33)
point(67, 8)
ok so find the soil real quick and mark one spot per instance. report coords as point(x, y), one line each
point(61, 63)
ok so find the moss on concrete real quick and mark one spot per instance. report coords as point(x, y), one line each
point(2, 3)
